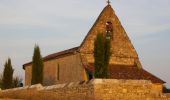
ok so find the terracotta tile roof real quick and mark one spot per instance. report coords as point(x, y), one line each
point(129, 72)
point(56, 55)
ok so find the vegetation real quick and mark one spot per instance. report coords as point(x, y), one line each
point(37, 67)
point(17, 81)
point(166, 90)
point(7, 78)
point(101, 56)
point(0, 81)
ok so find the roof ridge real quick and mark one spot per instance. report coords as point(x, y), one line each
point(105, 8)
point(54, 55)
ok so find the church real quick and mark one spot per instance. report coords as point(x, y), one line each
point(77, 64)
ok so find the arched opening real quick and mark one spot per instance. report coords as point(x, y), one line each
point(109, 30)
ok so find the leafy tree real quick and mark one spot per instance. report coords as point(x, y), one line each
point(37, 66)
point(17, 81)
point(7, 79)
point(101, 56)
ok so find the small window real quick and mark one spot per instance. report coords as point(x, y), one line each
point(109, 30)
point(109, 26)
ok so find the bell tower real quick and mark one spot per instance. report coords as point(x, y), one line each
point(123, 52)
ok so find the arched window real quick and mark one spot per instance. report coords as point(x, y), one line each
point(109, 29)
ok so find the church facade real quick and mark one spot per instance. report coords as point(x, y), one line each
point(77, 64)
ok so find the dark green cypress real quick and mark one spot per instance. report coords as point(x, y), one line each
point(102, 56)
point(7, 78)
point(37, 66)
point(0, 81)
point(107, 55)
point(99, 56)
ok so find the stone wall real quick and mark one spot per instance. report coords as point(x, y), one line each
point(64, 69)
point(97, 89)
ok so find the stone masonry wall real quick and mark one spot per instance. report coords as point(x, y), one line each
point(97, 89)
point(65, 69)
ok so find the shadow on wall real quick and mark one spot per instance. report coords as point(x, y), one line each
point(49, 81)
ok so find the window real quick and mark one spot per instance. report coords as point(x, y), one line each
point(109, 30)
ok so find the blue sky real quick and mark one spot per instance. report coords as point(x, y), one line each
point(61, 24)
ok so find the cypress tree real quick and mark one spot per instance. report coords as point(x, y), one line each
point(101, 56)
point(0, 81)
point(107, 54)
point(37, 66)
point(7, 78)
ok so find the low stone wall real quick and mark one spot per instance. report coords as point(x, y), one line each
point(97, 89)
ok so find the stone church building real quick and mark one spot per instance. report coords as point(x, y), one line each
point(77, 64)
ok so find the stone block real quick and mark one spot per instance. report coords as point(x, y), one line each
point(60, 86)
point(124, 90)
point(49, 87)
point(71, 84)
point(37, 87)
point(25, 87)
point(97, 81)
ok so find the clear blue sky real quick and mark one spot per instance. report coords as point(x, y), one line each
point(61, 24)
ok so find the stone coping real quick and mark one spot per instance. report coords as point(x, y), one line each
point(39, 87)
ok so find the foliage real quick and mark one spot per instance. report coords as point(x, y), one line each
point(16, 82)
point(0, 81)
point(166, 90)
point(107, 54)
point(7, 79)
point(101, 56)
point(37, 66)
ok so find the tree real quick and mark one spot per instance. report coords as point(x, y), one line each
point(107, 54)
point(101, 56)
point(37, 66)
point(7, 79)
point(17, 81)
point(0, 81)
point(165, 89)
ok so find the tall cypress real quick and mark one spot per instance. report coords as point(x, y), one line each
point(0, 81)
point(37, 66)
point(107, 54)
point(101, 56)
point(7, 78)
